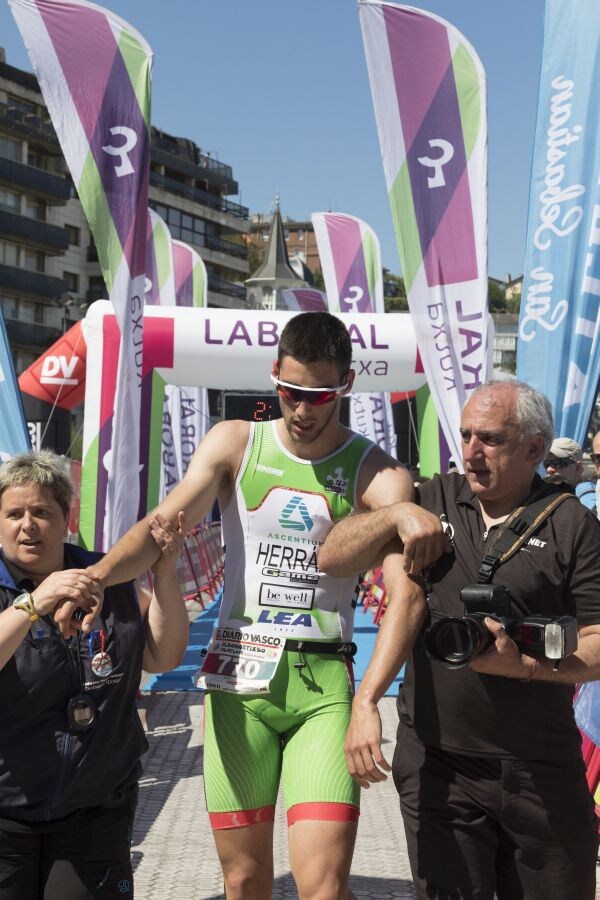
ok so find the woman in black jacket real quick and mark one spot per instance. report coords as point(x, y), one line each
point(70, 736)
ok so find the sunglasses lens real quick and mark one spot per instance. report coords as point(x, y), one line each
point(322, 397)
point(295, 395)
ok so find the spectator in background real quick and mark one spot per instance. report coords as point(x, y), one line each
point(564, 463)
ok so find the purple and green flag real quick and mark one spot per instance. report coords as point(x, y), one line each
point(350, 257)
point(94, 71)
point(428, 89)
point(186, 416)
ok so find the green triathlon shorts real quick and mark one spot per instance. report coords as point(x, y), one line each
point(295, 734)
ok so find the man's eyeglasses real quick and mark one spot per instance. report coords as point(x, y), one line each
point(560, 463)
point(292, 393)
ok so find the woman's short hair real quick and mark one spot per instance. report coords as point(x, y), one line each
point(316, 337)
point(41, 467)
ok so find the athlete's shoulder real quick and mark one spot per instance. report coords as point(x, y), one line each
point(383, 480)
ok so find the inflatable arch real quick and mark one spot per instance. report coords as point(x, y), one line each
point(223, 349)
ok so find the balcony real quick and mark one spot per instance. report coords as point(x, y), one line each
point(215, 243)
point(220, 286)
point(32, 334)
point(197, 195)
point(32, 232)
point(29, 126)
point(185, 156)
point(33, 284)
point(54, 188)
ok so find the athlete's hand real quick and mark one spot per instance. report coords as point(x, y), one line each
point(366, 763)
point(422, 535)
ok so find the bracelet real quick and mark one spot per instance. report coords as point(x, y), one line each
point(532, 672)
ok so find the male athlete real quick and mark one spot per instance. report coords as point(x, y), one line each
point(278, 672)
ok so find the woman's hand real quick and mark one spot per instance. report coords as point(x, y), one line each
point(69, 584)
point(170, 543)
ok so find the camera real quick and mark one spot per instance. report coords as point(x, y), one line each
point(455, 641)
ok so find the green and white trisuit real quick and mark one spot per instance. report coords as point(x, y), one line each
point(280, 512)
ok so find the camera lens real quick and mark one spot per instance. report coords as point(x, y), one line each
point(455, 642)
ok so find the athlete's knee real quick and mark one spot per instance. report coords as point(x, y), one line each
point(322, 886)
point(248, 881)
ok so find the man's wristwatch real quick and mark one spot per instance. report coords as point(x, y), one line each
point(25, 602)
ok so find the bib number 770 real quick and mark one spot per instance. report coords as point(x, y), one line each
point(232, 665)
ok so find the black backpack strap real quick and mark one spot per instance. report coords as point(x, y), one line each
point(515, 531)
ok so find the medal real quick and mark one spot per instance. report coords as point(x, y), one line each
point(81, 713)
point(101, 664)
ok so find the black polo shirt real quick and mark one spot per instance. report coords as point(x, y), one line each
point(556, 573)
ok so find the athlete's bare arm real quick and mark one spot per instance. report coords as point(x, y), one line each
point(386, 490)
point(211, 474)
point(405, 613)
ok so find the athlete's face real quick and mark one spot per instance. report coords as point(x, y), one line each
point(304, 421)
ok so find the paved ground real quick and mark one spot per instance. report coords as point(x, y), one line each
point(173, 852)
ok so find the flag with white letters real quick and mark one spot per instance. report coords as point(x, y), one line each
point(350, 256)
point(186, 416)
point(429, 95)
point(558, 347)
point(94, 71)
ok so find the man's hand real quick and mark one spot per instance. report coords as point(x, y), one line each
point(503, 657)
point(422, 536)
point(366, 763)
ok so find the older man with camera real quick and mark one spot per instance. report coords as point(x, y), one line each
point(488, 760)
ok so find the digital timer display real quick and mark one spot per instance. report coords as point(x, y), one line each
point(251, 407)
point(263, 407)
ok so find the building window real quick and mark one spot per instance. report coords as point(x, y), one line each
point(10, 201)
point(35, 209)
point(96, 289)
point(9, 253)
point(10, 149)
point(23, 360)
point(72, 280)
point(74, 235)
point(33, 260)
point(10, 307)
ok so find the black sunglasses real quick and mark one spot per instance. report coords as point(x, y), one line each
point(559, 463)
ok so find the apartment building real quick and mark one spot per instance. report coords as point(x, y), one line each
point(49, 270)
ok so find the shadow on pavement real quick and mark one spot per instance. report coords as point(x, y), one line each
point(363, 888)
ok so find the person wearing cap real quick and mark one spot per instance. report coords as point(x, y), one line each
point(564, 464)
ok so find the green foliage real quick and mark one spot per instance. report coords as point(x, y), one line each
point(319, 281)
point(256, 254)
point(496, 298)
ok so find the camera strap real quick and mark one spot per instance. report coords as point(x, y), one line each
point(516, 530)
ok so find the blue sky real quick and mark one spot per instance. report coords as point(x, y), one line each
point(279, 91)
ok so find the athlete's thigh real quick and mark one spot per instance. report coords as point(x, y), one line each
point(321, 856)
point(315, 777)
point(242, 760)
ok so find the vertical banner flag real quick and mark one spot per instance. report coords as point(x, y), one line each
point(351, 264)
point(558, 348)
point(14, 434)
point(186, 415)
point(428, 88)
point(159, 291)
point(94, 71)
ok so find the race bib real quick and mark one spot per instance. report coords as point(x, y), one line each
point(240, 660)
